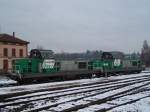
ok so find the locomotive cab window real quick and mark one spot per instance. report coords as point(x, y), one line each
point(106, 56)
point(57, 64)
point(82, 65)
point(134, 63)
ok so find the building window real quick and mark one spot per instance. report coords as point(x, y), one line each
point(5, 65)
point(14, 52)
point(21, 52)
point(5, 52)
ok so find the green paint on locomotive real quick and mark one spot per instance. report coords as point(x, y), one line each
point(33, 66)
point(107, 65)
point(137, 63)
point(25, 66)
point(99, 64)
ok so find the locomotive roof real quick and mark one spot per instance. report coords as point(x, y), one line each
point(48, 54)
point(39, 53)
point(85, 56)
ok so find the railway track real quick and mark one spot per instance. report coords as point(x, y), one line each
point(117, 101)
point(74, 88)
point(60, 87)
point(75, 98)
point(93, 100)
point(65, 92)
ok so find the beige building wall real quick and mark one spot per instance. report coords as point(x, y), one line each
point(1, 63)
point(10, 58)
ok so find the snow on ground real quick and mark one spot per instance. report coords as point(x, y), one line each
point(97, 97)
point(98, 86)
point(6, 81)
point(32, 87)
point(62, 99)
point(140, 106)
point(14, 89)
point(143, 105)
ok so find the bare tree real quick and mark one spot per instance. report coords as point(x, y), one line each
point(145, 54)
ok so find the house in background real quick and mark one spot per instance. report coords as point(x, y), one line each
point(11, 48)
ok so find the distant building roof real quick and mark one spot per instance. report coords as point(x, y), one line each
point(11, 39)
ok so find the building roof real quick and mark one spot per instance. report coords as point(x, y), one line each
point(11, 39)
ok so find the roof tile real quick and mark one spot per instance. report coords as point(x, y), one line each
point(11, 39)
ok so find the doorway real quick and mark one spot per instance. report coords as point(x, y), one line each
point(5, 65)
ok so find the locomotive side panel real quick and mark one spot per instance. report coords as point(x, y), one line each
point(68, 65)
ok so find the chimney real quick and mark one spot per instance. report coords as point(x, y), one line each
point(13, 34)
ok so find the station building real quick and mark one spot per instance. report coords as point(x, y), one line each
point(11, 48)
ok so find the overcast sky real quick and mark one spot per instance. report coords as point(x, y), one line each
point(78, 25)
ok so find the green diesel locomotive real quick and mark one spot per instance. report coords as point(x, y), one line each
point(42, 65)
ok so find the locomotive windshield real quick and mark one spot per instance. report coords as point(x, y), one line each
point(41, 54)
point(107, 56)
